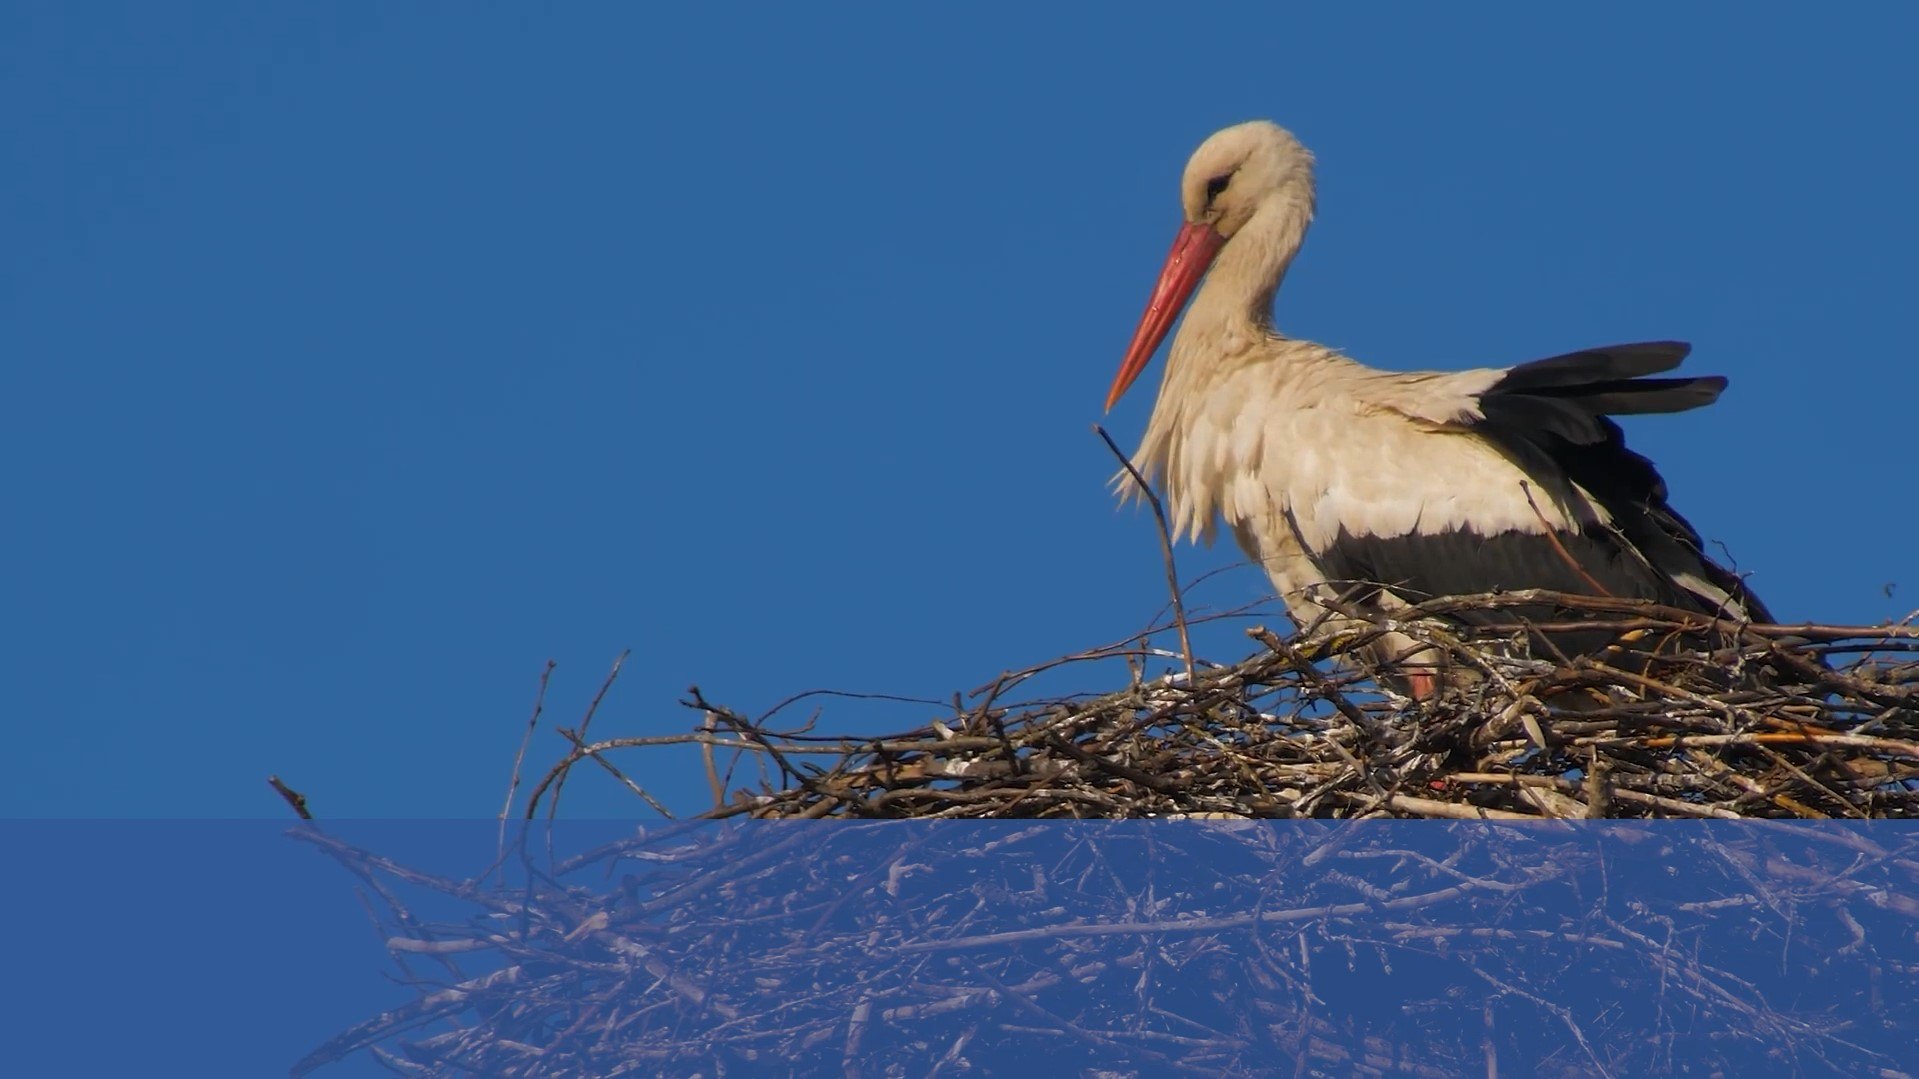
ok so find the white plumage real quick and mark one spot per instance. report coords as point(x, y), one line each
point(1340, 479)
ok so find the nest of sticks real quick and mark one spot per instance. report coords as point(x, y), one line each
point(877, 945)
point(1795, 721)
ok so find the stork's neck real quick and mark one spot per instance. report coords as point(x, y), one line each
point(1229, 323)
point(1234, 306)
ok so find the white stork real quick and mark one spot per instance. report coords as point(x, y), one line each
point(1332, 474)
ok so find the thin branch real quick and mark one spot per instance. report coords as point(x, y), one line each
point(1165, 549)
point(292, 797)
point(1552, 537)
point(578, 737)
point(519, 758)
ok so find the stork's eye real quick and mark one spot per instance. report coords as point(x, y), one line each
point(1216, 185)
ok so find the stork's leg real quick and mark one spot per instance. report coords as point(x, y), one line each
point(1424, 684)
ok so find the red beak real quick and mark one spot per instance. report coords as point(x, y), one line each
point(1194, 249)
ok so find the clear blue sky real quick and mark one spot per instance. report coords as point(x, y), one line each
point(359, 358)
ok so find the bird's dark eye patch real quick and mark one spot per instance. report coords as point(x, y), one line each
point(1216, 185)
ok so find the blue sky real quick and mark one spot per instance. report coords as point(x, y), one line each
point(358, 359)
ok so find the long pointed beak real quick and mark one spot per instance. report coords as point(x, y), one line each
point(1194, 249)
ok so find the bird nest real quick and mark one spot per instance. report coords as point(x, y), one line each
point(1797, 721)
point(876, 945)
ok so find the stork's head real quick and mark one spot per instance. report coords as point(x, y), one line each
point(1233, 176)
point(1237, 171)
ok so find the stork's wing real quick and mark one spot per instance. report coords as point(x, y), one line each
point(1592, 517)
point(1557, 409)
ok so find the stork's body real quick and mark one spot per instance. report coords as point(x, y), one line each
point(1330, 473)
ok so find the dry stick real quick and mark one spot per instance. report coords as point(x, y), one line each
point(513, 785)
point(706, 758)
point(749, 730)
point(1552, 536)
point(845, 694)
point(1753, 787)
point(1319, 682)
point(1906, 622)
point(1165, 548)
point(1428, 807)
point(1598, 786)
point(613, 771)
point(293, 798)
point(1891, 747)
point(1329, 692)
point(1672, 617)
point(578, 738)
point(582, 750)
point(1124, 771)
point(1801, 774)
point(593, 707)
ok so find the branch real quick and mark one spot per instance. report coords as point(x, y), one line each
point(1165, 548)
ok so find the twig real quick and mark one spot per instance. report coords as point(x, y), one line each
point(578, 737)
point(1165, 549)
point(292, 797)
point(519, 758)
point(713, 782)
point(1552, 537)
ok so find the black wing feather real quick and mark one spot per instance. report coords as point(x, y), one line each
point(1608, 364)
point(1455, 563)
